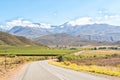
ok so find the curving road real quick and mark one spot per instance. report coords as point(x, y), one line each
point(43, 71)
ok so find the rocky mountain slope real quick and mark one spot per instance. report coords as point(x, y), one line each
point(66, 40)
point(97, 32)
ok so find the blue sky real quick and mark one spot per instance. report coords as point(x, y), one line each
point(57, 12)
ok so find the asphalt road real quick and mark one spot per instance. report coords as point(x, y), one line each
point(43, 71)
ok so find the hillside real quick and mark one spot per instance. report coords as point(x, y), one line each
point(66, 40)
point(0, 29)
point(97, 32)
point(29, 32)
point(8, 39)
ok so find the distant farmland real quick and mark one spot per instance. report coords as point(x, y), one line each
point(33, 51)
point(97, 61)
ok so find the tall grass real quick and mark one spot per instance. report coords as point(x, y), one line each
point(112, 71)
point(90, 54)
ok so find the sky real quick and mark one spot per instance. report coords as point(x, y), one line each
point(57, 12)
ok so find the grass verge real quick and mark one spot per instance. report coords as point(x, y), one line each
point(112, 71)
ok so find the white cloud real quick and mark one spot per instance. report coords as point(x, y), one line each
point(109, 19)
point(43, 25)
point(24, 23)
point(112, 17)
point(106, 19)
point(1, 26)
point(82, 21)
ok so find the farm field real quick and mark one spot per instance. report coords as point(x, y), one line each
point(13, 56)
point(92, 54)
point(97, 61)
point(33, 50)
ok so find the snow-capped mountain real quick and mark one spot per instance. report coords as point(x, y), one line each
point(29, 32)
point(99, 32)
point(81, 28)
point(26, 28)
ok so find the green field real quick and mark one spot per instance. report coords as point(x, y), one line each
point(92, 54)
point(33, 50)
point(98, 61)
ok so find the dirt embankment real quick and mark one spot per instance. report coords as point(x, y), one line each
point(12, 73)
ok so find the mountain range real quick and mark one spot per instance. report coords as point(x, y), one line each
point(94, 32)
point(66, 40)
point(30, 32)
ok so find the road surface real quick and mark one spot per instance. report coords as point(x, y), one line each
point(41, 70)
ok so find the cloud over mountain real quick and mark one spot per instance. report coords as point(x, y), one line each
point(86, 27)
point(105, 19)
point(24, 23)
point(82, 21)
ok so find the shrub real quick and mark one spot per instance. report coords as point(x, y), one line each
point(118, 65)
point(73, 48)
point(60, 58)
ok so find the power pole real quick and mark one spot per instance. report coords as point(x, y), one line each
point(5, 61)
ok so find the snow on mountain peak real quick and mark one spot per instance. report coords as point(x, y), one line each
point(43, 25)
point(82, 21)
point(24, 23)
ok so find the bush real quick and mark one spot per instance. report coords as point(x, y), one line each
point(94, 48)
point(67, 63)
point(102, 48)
point(114, 55)
point(73, 48)
point(60, 58)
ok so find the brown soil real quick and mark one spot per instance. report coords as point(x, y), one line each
point(11, 73)
point(114, 61)
point(109, 62)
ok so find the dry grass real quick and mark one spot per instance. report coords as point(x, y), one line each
point(99, 57)
point(103, 51)
point(97, 61)
point(14, 62)
point(112, 71)
point(100, 52)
